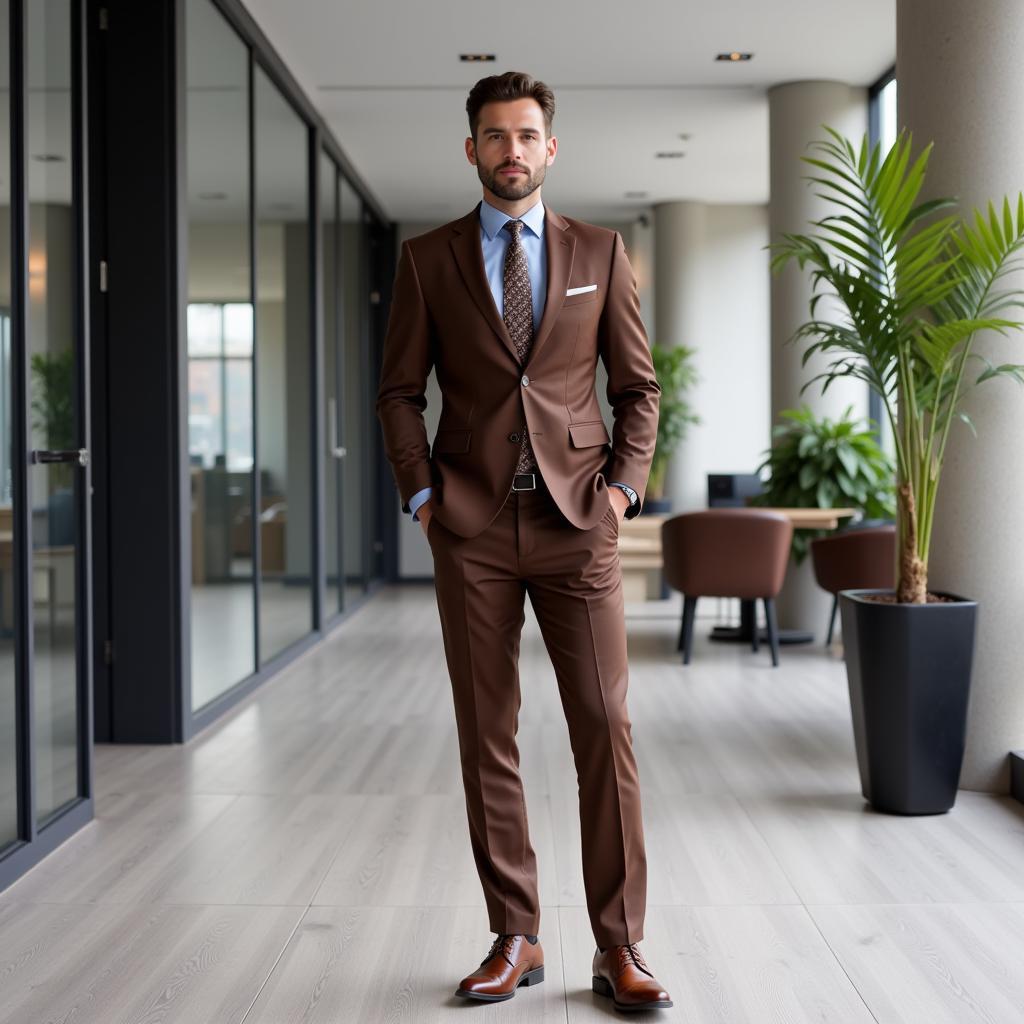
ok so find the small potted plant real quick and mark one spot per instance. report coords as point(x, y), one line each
point(54, 426)
point(675, 374)
point(913, 291)
point(820, 463)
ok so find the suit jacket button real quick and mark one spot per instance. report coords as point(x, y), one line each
point(513, 437)
point(525, 381)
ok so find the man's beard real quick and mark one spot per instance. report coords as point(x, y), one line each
point(513, 188)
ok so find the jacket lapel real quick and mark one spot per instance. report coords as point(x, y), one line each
point(469, 255)
point(560, 244)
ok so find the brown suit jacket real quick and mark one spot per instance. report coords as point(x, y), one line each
point(444, 316)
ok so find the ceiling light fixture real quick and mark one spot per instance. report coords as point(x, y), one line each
point(670, 154)
point(475, 58)
point(734, 56)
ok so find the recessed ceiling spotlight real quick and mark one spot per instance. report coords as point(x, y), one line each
point(735, 55)
point(670, 154)
point(48, 158)
point(635, 195)
point(476, 57)
point(213, 197)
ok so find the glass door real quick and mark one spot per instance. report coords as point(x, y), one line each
point(45, 709)
point(354, 395)
point(334, 452)
point(9, 710)
point(53, 377)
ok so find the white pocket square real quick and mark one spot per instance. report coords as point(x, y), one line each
point(582, 288)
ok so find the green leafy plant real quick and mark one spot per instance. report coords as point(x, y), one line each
point(912, 296)
point(675, 375)
point(821, 463)
point(53, 406)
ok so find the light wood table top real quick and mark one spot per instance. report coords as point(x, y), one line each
point(803, 518)
point(813, 518)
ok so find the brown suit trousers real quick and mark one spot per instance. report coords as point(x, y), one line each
point(574, 581)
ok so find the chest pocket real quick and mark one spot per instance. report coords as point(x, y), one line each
point(579, 298)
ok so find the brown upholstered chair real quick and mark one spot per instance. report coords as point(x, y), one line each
point(854, 559)
point(727, 552)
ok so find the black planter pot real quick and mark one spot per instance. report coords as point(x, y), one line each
point(909, 671)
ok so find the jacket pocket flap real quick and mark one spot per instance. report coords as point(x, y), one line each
point(585, 434)
point(452, 440)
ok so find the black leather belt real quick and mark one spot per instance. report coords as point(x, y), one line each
point(526, 482)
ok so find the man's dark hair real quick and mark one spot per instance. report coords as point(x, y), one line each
point(512, 85)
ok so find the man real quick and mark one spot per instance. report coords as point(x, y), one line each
point(512, 305)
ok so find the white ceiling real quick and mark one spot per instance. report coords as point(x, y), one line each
point(628, 79)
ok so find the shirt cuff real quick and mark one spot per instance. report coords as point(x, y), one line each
point(417, 499)
point(630, 493)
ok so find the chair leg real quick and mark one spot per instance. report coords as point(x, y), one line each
point(682, 629)
point(755, 638)
point(689, 608)
point(773, 629)
point(832, 619)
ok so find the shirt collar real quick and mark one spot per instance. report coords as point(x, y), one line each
point(493, 219)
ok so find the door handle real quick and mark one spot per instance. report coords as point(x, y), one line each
point(79, 455)
point(337, 451)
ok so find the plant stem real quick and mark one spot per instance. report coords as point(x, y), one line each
point(953, 402)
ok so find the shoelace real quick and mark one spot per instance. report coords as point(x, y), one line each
point(503, 943)
point(637, 957)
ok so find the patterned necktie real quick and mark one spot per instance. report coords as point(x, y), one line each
point(518, 316)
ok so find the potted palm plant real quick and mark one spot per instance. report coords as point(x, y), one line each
point(913, 291)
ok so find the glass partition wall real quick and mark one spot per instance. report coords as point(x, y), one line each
point(330, 317)
point(10, 783)
point(283, 371)
point(355, 393)
point(51, 332)
point(262, 463)
point(274, 518)
point(346, 491)
point(45, 705)
point(220, 353)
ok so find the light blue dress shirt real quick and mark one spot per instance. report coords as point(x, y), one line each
point(494, 242)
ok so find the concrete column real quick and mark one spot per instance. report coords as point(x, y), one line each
point(961, 85)
point(797, 110)
point(679, 234)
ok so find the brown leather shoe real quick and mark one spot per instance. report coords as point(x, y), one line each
point(622, 973)
point(512, 960)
